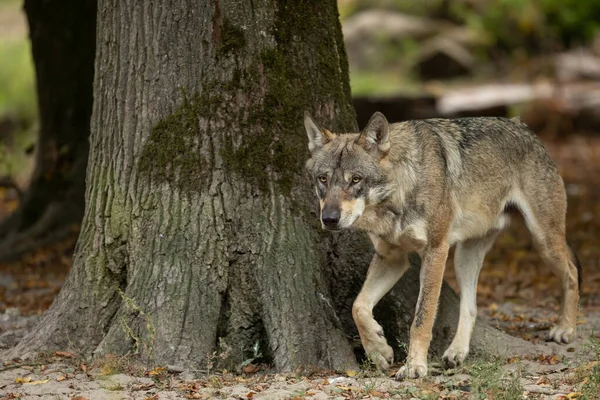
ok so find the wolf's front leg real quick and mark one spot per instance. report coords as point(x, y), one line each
point(382, 275)
point(431, 277)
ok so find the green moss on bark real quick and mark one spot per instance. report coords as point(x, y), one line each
point(232, 38)
point(305, 70)
point(172, 153)
point(278, 147)
point(298, 78)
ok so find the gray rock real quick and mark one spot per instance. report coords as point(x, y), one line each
point(115, 381)
point(539, 389)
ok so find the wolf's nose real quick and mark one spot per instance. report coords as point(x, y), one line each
point(330, 217)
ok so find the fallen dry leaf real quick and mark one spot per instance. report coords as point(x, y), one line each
point(61, 378)
point(142, 386)
point(65, 354)
point(543, 380)
point(552, 359)
point(157, 371)
point(347, 388)
point(250, 368)
point(37, 382)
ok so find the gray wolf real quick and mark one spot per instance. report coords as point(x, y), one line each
point(426, 185)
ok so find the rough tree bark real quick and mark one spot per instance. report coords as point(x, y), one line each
point(63, 45)
point(201, 232)
point(194, 228)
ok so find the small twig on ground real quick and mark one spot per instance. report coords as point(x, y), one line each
point(15, 366)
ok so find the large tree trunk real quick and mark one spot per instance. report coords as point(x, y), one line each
point(63, 45)
point(200, 233)
point(195, 228)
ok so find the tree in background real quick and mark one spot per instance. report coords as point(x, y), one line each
point(63, 44)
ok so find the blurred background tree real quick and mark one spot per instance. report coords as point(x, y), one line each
point(62, 39)
point(18, 107)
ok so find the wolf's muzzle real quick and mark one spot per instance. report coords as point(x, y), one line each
point(330, 216)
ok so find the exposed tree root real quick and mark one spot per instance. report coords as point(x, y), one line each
point(9, 183)
point(55, 224)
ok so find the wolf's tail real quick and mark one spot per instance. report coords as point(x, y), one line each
point(577, 265)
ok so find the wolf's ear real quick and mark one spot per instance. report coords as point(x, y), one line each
point(376, 134)
point(317, 136)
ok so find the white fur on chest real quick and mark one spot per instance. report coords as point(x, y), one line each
point(411, 237)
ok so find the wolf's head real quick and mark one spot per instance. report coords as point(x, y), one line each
point(348, 170)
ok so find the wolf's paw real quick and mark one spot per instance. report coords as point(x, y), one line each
point(411, 371)
point(562, 334)
point(454, 356)
point(382, 355)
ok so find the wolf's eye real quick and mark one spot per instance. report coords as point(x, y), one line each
point(356, 179)
point(323, 179)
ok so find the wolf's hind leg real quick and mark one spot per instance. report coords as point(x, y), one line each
point(546, 222)
point(382, 275)
point(555, 252)
point(468, 259)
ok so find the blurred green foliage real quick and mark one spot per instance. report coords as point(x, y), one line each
point(572, 21)
point(536, 26)
point(380, 83)
point(539, 25)
point(503, 32)
point(17, 85)
point(423, 8)
point(389, 70)
point(18, 100)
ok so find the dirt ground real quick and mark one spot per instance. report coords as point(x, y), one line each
point(517, 294)
point(556, 372)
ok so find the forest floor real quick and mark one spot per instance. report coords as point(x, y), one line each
point(516, 293)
